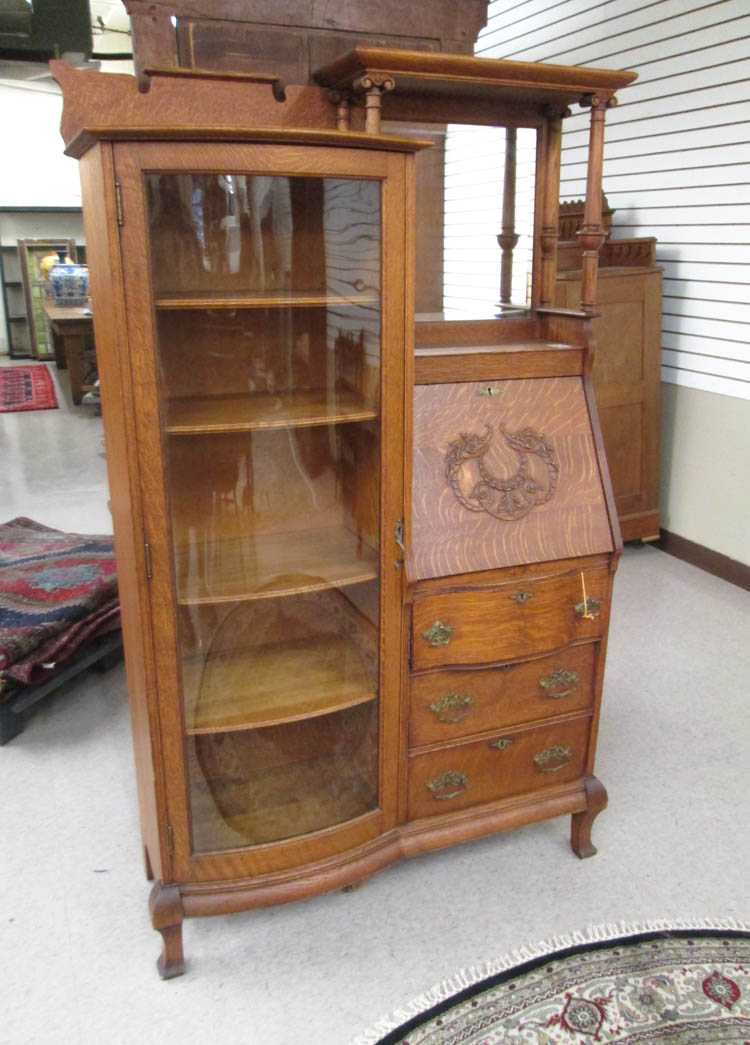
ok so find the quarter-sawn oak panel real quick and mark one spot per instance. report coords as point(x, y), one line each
point(449, 538)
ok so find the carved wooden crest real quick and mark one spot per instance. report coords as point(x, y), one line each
point(533, 483)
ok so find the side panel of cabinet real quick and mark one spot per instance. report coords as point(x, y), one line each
point(132, 162)
point(123, 468)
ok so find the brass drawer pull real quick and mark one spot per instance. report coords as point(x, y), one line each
point(501, 744)
point(522, 597)
point(553, 758)
point(453, 707)
point(439, 634)
point(448, 785)
point(488, 390)
point(551, 683)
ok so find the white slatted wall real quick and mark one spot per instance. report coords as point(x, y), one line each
point(677, 154)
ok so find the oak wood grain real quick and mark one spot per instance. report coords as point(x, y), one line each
point(449, 538)
point(516, 620)
point(486, 772)
point(450, 704)
point(496, 363)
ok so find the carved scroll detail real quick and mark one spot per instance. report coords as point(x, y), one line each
point(510, 498)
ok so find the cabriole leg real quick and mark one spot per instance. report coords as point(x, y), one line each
point(581, 823)
point(165, 905)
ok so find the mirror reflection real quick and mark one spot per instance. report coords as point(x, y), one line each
point(475, 219)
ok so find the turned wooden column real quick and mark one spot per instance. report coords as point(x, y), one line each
point(508, 237)
point(591, 235)
point(373, 87)
point(343, 110)
point(550, 174)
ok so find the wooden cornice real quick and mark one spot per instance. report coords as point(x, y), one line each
point(434, 74)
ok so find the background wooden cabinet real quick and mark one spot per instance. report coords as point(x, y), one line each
point(627, 371)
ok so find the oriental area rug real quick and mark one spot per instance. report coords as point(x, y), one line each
point(671, 985)
point(26, 388)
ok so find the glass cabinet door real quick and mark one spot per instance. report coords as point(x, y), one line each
point(268, 340)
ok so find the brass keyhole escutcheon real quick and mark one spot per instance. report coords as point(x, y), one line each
point(522, 597)
point(501, 744)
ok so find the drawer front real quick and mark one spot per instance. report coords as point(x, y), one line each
point(520, 620)
point(450, 704)
point(497, 767)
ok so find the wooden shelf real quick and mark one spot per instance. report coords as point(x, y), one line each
point(198, 415)
point(318, 794)
point(273, 565)
point(263, 299)
point(273, 684)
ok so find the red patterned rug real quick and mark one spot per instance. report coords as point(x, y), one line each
point(57, 591)
point(26, 388)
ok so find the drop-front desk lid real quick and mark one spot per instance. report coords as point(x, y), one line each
point(505, 473)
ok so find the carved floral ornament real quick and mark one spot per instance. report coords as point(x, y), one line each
point(510, 498)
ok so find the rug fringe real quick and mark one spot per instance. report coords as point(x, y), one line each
point(474, 974)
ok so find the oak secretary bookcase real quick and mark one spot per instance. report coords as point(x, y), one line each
point(365, 590)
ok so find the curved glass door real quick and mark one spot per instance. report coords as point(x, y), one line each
point(268, 302)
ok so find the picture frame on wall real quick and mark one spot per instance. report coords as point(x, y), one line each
point(30, 253)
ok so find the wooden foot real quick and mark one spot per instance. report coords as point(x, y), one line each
point(165, 905)
point(581, 823)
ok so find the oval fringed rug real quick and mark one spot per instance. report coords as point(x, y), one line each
point(676, 983)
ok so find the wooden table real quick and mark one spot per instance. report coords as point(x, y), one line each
point(72, 329)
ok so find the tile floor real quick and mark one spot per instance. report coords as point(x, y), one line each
point(77, 949)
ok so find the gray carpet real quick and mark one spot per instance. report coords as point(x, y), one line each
point(78, 951)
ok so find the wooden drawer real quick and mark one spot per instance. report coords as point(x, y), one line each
point(519, 620)
point(509, 763)
point(450, 704)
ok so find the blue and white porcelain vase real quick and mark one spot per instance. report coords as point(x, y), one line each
point(70, 283)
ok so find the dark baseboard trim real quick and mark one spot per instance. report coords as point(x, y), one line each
point(699, 555)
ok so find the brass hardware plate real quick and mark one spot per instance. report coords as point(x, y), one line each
point(118, 203)
point(553, 683)
point(522, 597)
point(399, 535)
point(553, 758)
point(488, 390)
point(439, 634)
point(589, 609)
point(453, 707)
point(501, 744)
point(448, 785)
